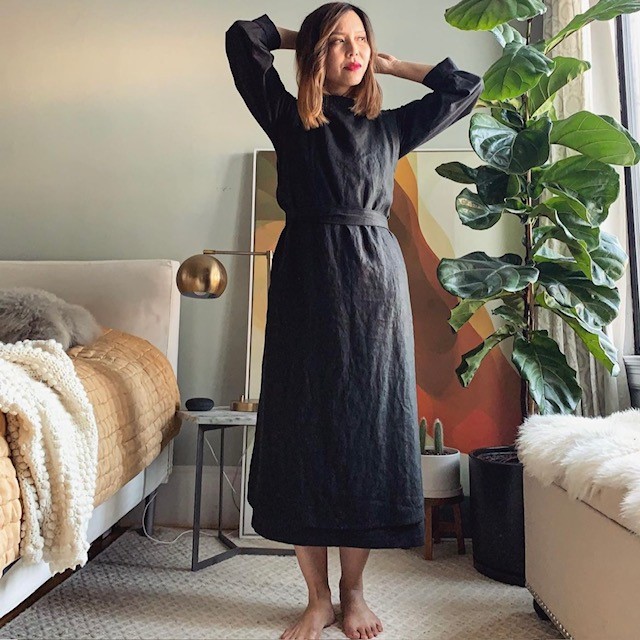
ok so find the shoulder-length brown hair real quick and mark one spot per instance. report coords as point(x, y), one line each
point(312, 43)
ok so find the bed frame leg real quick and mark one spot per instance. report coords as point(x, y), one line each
point(149, 515)
point(542, 614)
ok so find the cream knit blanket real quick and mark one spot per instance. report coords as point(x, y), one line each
point(53, 438)
point(585, 455)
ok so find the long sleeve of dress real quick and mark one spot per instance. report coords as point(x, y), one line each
point(248, 44)
point(454, 95)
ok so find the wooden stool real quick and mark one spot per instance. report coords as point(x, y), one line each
point(433, 527)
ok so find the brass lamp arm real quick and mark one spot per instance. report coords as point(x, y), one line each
point(268, 254)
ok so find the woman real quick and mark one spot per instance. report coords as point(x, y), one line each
point(336, 459)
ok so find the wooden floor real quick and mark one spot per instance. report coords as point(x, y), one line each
point(96, 548)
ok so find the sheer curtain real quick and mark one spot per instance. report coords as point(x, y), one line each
point(596, 90)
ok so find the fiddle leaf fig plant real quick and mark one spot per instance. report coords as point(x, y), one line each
point(513, 135)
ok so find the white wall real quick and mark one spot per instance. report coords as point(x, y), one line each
point(122, 136)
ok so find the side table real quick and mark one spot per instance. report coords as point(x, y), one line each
point(434, 526)
point(218, 419)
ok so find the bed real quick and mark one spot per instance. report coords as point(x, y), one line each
point(138, 304)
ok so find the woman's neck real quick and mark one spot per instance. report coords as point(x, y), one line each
point(340, 95)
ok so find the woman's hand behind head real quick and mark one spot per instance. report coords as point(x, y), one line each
point(384, 63)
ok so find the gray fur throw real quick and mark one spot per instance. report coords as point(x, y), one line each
point(34, 314)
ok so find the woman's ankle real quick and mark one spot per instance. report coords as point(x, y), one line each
point(351, 585)
point(320, 592)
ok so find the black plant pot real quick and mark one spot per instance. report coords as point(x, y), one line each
point(497, 514)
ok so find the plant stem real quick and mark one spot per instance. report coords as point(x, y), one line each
point(526, 401)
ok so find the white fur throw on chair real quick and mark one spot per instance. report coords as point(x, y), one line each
point(53, 437)
point(586, 455)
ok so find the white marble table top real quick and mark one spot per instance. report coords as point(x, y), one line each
point(220, 415)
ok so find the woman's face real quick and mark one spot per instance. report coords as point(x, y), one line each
point(348, 48)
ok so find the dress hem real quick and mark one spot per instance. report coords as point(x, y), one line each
point(390, 537)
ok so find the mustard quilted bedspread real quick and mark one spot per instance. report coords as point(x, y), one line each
point(134, 393)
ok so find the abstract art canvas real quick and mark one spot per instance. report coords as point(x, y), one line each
point(424, 220)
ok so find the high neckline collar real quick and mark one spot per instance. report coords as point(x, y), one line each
point(338, 98)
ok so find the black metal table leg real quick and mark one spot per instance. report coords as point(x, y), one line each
point(195, 547)
point(232, 548)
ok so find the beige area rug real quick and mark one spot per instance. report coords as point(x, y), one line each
point(137, 588)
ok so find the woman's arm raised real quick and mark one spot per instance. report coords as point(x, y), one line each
point(248, 44)
point(454, 95)
point(387, 63)
point(287, 38)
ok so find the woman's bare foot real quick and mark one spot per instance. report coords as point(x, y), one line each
point(358, 621)
point(318, 615)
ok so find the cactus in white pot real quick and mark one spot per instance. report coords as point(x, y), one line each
point(440, 464)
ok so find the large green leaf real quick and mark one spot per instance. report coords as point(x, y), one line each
point(594, 338)
point(632, 141)
point(505, 34)
point(565, 70)
point(483, 15)
point(594, 137)
point(474, 213)
point(515, 205)
point(603, 266)
point(610, 260)
point(457, 172)
point(463, 311)
point(603, 10)
point(573, 294)
point(568, 204)
point(472, 359)
point(593, 183)
point(495, 186)
point(598, 343)
point(552, 382)
point(570, 215)
point(518, 70)
point(508, 117)
point(541, 234)
point(477, 275)
point(514, 105)
point(579, 253)
point(512, 310)
point(598, 254)
point(508, 150)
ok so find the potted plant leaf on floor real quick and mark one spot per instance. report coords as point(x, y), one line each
point(440, 464)
point(512, 135)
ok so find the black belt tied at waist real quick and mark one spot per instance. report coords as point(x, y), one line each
point(340, 216)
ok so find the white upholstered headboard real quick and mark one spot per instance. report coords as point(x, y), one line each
point(136, 296)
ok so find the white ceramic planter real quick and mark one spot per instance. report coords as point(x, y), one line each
point(441, 474)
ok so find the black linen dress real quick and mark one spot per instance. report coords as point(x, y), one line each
point(336, 458)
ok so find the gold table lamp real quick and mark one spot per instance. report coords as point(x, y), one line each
point(204, 276)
